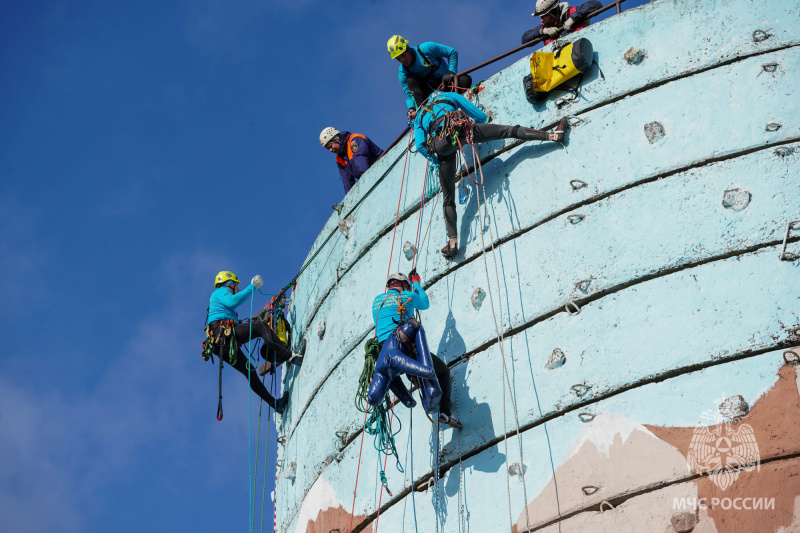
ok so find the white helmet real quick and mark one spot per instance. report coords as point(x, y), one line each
point(327, 134)
point(543, 7)
point(397, 276)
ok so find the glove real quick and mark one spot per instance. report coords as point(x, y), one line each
point(447, 79)
point(569, 24)
point(414, 277)
point(551, 32)
point(257, 281)
point(411, 114)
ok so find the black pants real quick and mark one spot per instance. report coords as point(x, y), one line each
point(446, 153)
point(243, 334)
point(421, 87)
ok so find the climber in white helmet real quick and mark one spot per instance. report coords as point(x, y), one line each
point(558, 18)
point(354, 153)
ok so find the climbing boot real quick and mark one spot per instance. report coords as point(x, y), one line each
point(559, 134)
point(265, 368)
point(451, 248)
point(281, 403)
point(444, 418)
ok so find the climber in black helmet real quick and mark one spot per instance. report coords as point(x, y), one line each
point(221, 308)
point(559, 19)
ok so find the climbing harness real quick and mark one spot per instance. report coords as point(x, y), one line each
point(225, 332)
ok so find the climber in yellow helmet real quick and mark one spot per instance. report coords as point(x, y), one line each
point(222, 311)
point(424, 68)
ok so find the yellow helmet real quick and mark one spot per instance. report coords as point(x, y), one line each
point(396, 45)
point(224, 277)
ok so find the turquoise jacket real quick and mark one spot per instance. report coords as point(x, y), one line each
point(427, 64)
point(441, 104)
point(223, 303)
point(384, 308)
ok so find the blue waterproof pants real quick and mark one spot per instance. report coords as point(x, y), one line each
point(395, 360)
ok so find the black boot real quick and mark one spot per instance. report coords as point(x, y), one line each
point(281, 403)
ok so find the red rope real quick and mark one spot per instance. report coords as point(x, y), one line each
point(353, 510)
point(385, 459)
point(400, 199)
point(477, 158)
point(419, 218)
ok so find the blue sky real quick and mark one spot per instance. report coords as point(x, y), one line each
point(144, 147)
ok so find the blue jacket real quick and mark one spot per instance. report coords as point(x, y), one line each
point(223, 303)
point(440, 105)
point(432, 65)
point(355, 157)
point(388, 303)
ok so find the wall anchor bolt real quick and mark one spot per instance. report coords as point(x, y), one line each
point(586, 417)
point(760, 36)
point(784, 151)
point(589, 489)
point(282, 440)
point(604, 504)
point(321, 329)
point(572, 308)
point(580, 389)
point(773, 127)
point(792, 357)
point(575, 219)
point(578, 184)
point(583, 286)
point(786, 256)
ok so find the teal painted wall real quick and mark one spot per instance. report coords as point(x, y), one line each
point(681, 297)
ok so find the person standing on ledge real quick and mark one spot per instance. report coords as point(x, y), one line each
point(424, 68)
point(354, 154)
point(434, 131)
point(559, 19)
point(222, 315)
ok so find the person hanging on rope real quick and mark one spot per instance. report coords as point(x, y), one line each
point(404, 350)
point(222, 317)
point(559, 19)
point(424, 68)
point(449, 121)
point(354, 154)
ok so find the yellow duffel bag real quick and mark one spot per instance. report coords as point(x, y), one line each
point(551, 69)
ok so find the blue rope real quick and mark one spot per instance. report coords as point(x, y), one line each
point(411, 439)
point(432, 181)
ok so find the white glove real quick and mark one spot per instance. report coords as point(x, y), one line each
point(550, 31)
point(257, 281)
point(569, 24)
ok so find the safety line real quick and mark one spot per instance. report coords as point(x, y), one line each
point(399, 199)
point(358, 469)
point(249, 417)
point(500, 338)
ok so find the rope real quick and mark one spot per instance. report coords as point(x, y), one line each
point(360, 449)
point(250, 420)
point(383, 475)
point(506, 381)
point(371, 353)
point(411, 441)
point(399, 199)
